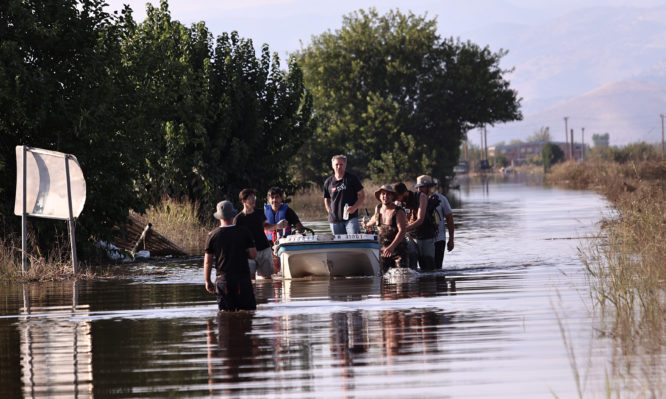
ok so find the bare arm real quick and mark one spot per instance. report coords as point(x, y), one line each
point(420, 216)
point(401, 221)
point(208, 266)
point(359, 201)
point(252, 253)
point(279, 225)
point(449, 226)
point(372, 221)
point(327, 204)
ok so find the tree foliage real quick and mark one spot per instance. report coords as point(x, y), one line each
point(62, 87)
point(149, 109)
point(543, 134)
point(388, 89)
point(550, 155)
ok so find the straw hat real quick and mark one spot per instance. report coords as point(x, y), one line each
point(424, 180)
point(387, 188)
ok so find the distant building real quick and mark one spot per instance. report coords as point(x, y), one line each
point(601, 140)
point(518, 154)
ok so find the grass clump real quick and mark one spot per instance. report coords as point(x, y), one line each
point(55, 265)
point(626, 265)
point(180, 222)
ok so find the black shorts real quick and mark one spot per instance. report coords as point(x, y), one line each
point(235, 293)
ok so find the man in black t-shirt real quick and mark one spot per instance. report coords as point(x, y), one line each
point(339, 190)
point(229, 246)
point(256, 222)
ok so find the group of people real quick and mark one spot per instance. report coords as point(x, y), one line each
point(241, 247)
point(412, 227)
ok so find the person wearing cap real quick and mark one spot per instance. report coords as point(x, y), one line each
point(229, 247)
point(256, 222)
point(391, 222)
point(442, 212)
point(343, 189)
point(276, 211)
point(420, 230)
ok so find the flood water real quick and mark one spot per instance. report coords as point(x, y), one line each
point(508, 317)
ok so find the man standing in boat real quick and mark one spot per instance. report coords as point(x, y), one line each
point(391, 222)
point(275, 211)
point(441, 213)
point(256, 222)
point(230, 246)
point(343, 196)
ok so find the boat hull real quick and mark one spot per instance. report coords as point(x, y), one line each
point(340, 257)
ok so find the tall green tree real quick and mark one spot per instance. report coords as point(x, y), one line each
point(543, 134)
point(550, 155)
point(217, 117)
point(380, 78)
point(169, 67)
point(63, 88)
point(149, 109)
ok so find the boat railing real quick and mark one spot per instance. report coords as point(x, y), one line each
point(326, 237)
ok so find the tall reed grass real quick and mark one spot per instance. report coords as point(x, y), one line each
point(626, 265)
point(55, 265)
point(181, 223)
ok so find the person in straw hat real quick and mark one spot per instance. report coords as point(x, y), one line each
point(229, 246)
point(440, 212)
point(391, 222)
point(420, 231)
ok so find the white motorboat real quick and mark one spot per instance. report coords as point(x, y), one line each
point(328, 255)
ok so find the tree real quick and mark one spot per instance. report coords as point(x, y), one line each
point(378, 79)
point(543, 134)
point(218, 118)
point(149, 109)
point(550, 155)
point(63, 88)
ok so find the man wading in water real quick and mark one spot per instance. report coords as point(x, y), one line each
point(228, 247)
point(391, 222)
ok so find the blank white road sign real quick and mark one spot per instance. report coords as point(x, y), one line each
point(46, 184)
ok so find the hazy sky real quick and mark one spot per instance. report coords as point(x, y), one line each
point(284, 24)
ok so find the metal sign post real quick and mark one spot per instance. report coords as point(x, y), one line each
point(24, 218)
point(70, 221)
point(48, 191)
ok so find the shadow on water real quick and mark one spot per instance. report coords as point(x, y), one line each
point(485, 326)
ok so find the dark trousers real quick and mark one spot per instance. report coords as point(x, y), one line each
point(440, 247)
point(235, 293)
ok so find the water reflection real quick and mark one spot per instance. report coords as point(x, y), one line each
point(56, 353)
point(233, 353)
point(482, 327)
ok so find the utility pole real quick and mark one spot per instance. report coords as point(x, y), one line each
point(582, 158)
point(572, 147)
point(566, 134)
point(482, 146)
point(485, 139)
point(662, 136)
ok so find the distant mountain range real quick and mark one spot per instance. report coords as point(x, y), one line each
point(603, 68)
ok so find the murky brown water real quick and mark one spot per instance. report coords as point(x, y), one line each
point(493, 332)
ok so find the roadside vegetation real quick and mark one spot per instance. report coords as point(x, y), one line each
point(157, 108)
point(181, 222)
point(625, 264)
